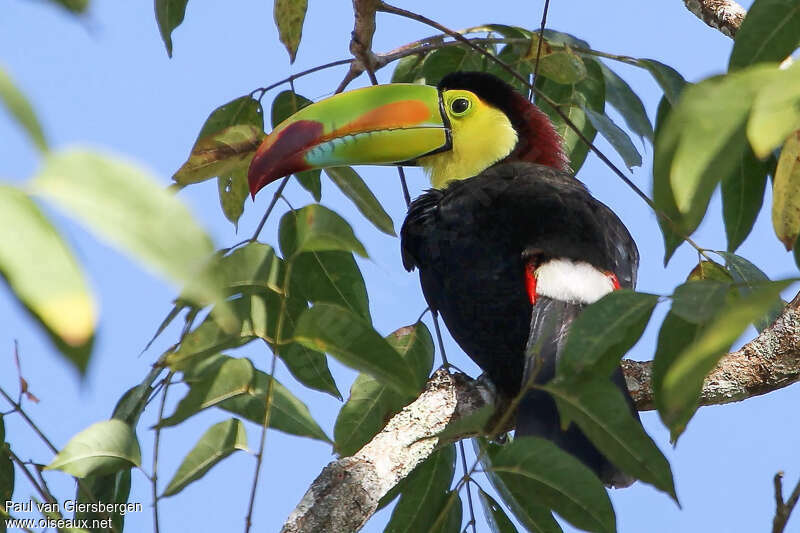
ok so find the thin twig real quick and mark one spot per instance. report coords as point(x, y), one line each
point(541, 40)
point(43, 492)
point(18, 409)
point(270, 207)
point(261, 444)
point(154, 477)
point(268, 400)
point(264, 90)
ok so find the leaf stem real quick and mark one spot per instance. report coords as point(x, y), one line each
point(268, 400)
point(156, 441)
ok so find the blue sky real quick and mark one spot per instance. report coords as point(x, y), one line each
point(105, 81)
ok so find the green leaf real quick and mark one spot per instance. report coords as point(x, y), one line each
point(451, 521)
point(669, 79)
point(683, 379)
point(604, 331)
point(475, 423)
point(233, 191)
point(253, 266)
point(540, 470)
point(703, 140)
point(332, 277)
point(425, 494)
point(443, 61)
point(616, 137)
point(221, 153)
point(495, 515)
point(287, 413)
point(6, 467)
point(241, 111)
point(108, 489)
point(603, 414)
point(408, 69)
point(371, 402)
point(776, 112)
point(622, 98)
point(769, 32)
point(572, 100)
point(228, 377)
point(663, 195)
point(750, 278)
point(289, 17)
point(309, 367)
point(674, 337)
point(742, 197)
point(310, 181)
point(21, 110)
point(786, 192)
point(102, 448)
point(73, 6)
point(796, 253)
point(44, 275)
point(349, 338)
point(169, 15)
point(286, 104)
point(217, 443)
point(351, 184)
point(709, 270)
point(220, 382)
point(255, 316)
point(132, 403)
point(698, 301)
point(315, 228)
point(530, 512)
point(123, 204)
point(563, 67)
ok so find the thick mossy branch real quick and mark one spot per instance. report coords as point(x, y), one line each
point(348, 490)
point(723, 15)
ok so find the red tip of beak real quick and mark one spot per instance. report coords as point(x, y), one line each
point(282, 153)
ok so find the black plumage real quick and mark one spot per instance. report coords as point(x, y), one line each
point(470, 243)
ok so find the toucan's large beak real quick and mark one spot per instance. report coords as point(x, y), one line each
point(384, 124)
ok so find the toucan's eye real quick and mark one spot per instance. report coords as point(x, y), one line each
point(459, 105)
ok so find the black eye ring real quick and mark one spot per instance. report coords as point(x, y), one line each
point(459, 105)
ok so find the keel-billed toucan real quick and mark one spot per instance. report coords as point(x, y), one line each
point(509, 245)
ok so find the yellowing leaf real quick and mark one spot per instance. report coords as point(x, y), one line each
point(44, 276)
point(220, 154)
point(125, 205)
point(786, 192)
point(776, 112)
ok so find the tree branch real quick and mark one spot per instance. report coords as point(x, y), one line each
point(783, 509)
point(346, 493)
point(361, 43)
point(723, 15)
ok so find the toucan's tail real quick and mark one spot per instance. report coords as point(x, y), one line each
point(537, 414)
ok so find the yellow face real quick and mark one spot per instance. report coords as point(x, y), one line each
point(481, 136)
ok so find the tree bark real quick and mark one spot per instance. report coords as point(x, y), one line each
point(723, 15)
point(348, 490)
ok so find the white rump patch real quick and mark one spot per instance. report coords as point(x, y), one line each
point(572, 281)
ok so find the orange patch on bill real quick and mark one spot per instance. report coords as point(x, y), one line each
point(395, 115)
